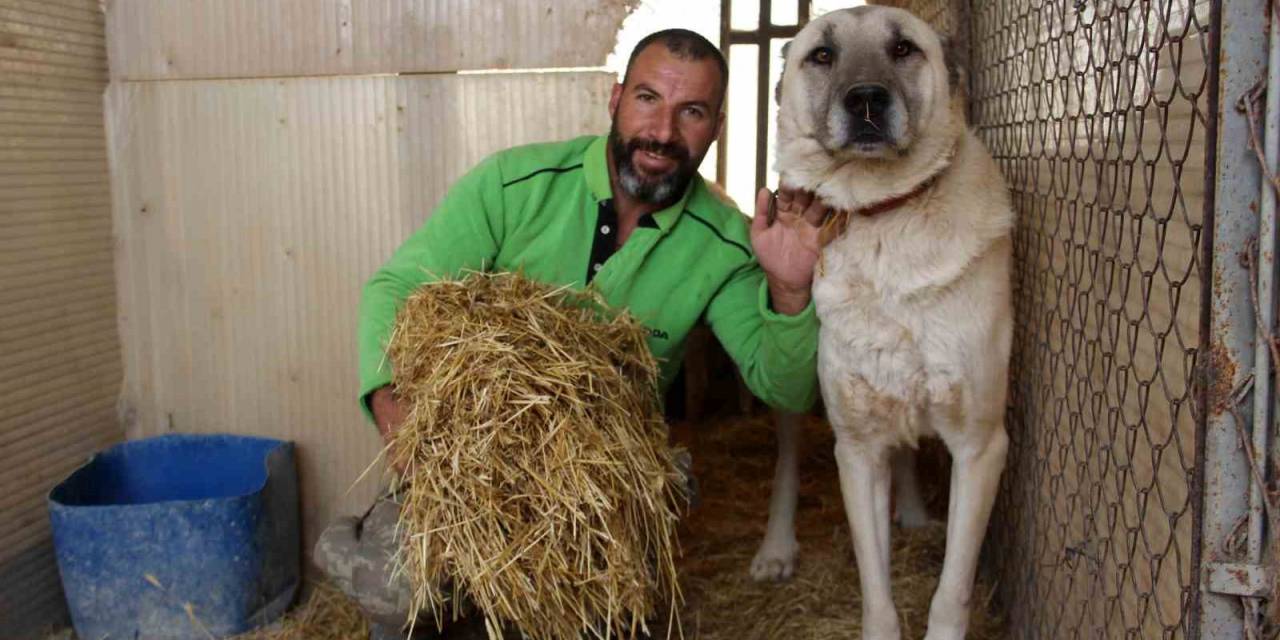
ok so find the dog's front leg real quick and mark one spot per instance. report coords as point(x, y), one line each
point(864, 483)
point(777, 555)
point(975, 477)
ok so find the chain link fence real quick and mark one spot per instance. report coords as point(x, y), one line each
point(1097, 115)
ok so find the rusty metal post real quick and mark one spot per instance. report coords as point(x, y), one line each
point(1240, 47)
point(1263, 399)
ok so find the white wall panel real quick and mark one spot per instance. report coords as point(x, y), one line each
point(176, 39)
point(249, 213)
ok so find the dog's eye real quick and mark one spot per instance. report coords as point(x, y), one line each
point(904, 48)
point(821, 56)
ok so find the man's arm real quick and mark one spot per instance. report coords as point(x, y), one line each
point(388, 414)
point(764, 315)
point(776, 353)
point(464, 233)
point(387, 411)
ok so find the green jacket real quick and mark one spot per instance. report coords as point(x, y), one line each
point(547, 209)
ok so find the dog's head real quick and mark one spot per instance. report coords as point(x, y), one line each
point(869, 83)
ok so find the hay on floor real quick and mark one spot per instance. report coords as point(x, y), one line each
point(326, 615)
point(538, 479)
point(734, 460)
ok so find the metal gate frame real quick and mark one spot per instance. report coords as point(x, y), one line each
point(1236, 520)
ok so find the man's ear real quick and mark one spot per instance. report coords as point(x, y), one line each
point(614, 97)
point(719, 124)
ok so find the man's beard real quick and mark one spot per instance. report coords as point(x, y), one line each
point(659, 190)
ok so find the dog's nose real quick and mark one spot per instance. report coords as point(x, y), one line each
point(867, 100)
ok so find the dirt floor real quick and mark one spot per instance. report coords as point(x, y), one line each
point(733, 460)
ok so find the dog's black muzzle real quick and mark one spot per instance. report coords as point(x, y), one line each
point(868, 107)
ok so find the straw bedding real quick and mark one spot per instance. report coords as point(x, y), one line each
point(538, 480)
point(734, 460)
point(326, 615)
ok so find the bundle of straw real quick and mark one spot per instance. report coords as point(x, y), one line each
point(537, 478)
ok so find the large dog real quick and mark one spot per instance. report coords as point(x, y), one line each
point(913, 292)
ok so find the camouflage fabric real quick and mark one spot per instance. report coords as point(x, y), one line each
point(356, 554)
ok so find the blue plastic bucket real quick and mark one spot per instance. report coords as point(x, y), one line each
point(179, 536)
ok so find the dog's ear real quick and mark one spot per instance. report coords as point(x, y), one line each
point(953, 58)
point(777, 89)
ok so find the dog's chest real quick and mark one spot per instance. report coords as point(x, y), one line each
point(857, 290)
point(891, 339)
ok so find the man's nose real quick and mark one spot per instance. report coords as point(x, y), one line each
point(664, 126)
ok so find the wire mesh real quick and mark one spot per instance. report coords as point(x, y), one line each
point(943, 15)
point(1096, 113)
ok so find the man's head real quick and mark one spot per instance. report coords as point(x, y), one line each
point(666, 113)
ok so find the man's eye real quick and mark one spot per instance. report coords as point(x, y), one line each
point(645, 97)
point(694, 111)
point(821, 56)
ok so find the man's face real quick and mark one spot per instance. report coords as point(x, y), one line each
point(664, 119)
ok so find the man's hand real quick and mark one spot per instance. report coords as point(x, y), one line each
point(388, 415)
point(787, 246)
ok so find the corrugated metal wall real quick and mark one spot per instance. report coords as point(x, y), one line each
point(60, 366)
point(250, 209)
point(164, 40)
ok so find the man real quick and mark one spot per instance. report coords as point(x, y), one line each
point(628, 214)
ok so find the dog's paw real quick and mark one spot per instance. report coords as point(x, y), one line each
point(775, 561)
point(948, 616)
point(948, 633)
point(881, 624)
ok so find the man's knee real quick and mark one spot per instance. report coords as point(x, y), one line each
point(358, 555)
point(336, 549)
